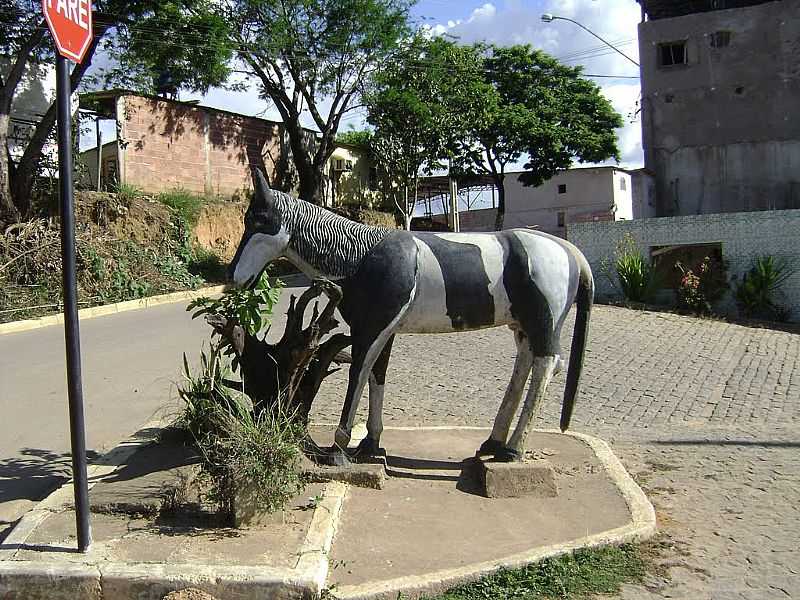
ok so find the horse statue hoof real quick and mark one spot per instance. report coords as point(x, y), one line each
point(368, 451)
point(507, 455)
point(490, 448)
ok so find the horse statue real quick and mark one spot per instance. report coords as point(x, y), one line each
point(414, 282)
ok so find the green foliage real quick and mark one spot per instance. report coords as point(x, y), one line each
point(583, 574)
point(182, 44)
point(127, 193)
point(417, 103)
point(631, 273)
point(208, 265)
point(537, 109)
point(311, 55)
point(760, 289)
point(362, 138)
point(186, 204)
point(242, 453)
point(701, 285)
point(252, 308)
point(108, 269)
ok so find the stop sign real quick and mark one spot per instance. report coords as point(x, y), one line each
point(70, 22)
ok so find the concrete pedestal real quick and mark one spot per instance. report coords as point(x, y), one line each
point(511, 479)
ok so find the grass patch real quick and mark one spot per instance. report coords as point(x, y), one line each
point(582, 574)
point(185, 203)
point(127, 193)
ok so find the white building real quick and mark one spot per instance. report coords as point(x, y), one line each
point(571, 196)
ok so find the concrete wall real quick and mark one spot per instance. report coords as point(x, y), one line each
point(643, 194)
point(720, 132)
point(591, 193)
point(743, 236)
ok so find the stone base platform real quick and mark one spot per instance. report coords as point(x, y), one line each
point(422, 533)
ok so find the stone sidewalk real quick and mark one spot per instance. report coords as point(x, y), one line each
point(705, 414)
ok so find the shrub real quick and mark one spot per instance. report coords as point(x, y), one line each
point(242, 453)
point(185, 203)
point(757, 294)
point(633, 275)
point(702, 285)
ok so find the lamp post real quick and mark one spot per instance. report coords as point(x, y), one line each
point(549, 18)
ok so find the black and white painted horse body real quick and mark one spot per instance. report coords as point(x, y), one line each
point(396, 282)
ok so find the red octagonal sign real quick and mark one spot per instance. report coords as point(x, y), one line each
point(70, 22)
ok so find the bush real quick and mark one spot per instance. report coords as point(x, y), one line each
point(757, 294)
point(127, 193)
point(702, 285)
point(633, 275)
point(242, 453)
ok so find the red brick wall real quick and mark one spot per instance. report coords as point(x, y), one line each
point(170, 146)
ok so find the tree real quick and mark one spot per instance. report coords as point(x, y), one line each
point(139, 34)
point(539, 109)
point(313, 54)
point(419, 108)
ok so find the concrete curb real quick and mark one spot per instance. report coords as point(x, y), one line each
point(62, 579)
point(62, 497)
point(641, 527)
point(110, 309)
point(121, 581)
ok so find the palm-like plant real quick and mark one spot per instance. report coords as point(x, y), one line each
point(760, 288)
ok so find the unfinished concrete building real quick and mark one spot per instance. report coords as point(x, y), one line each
point(720, 98)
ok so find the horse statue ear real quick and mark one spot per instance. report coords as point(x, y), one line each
point(263, 196)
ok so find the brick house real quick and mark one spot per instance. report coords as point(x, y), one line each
point(167, 144)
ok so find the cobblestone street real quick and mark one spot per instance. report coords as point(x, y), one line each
point(705, 415)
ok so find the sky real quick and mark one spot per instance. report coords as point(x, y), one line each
point(507, 22)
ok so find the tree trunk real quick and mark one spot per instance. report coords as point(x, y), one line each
point(28, 166)
point(291, 371)
point(308, 187)
point(501, 202)
point(8, 212)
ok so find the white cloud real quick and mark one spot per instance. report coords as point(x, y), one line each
point(519, 22)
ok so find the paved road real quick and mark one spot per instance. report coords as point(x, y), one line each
point(705, 414)
point(131, 363)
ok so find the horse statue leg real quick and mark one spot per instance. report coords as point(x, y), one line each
point(371, 445)
point(496, 444)
point(366, 354)
point(541, 374)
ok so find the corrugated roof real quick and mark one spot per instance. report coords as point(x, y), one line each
point(665, 9)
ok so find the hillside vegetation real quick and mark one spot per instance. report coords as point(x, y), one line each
point(129, 246)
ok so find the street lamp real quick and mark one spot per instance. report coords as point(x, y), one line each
point(549, 18)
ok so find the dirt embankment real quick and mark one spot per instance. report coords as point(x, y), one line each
point(219, 228)
point(139, 219)
point(220, 225)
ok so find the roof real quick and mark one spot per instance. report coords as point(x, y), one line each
point(665, 9)
point(104, 102)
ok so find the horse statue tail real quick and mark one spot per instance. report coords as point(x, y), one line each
point(584, 301)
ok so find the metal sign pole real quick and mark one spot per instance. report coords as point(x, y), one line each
point(71, 331)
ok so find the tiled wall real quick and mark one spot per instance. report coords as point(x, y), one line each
point(743, 236)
